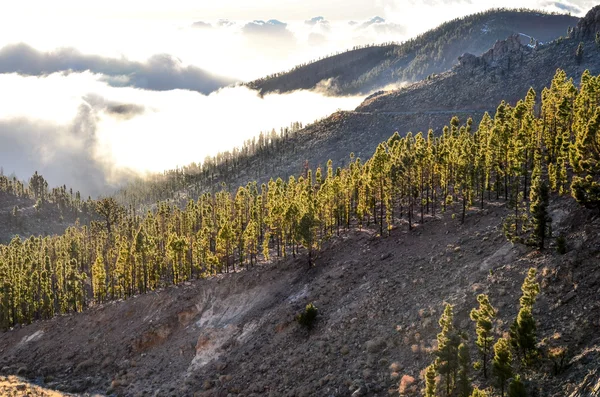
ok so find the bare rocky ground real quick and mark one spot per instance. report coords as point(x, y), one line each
point(379, 301)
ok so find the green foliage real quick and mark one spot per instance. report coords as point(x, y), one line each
point(579, 53)
point(430, 381)
point(176, 241)
point(558, 356)
point(479, 393)
point(516, 388)
point(447, 357)
point(586, 191)
point(308, 316)
point(523, 330)
point(541, 221)
point(306, 233)
point(464, 361)
point(501, 364)
point(484, 317)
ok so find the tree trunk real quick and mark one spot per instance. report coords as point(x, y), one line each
point(464, 208)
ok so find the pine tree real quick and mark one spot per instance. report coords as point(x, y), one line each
point(99, 279)
point(538, 208)
point(484, 317)
point(516, 388)
point(430, 381)
point(464, 361)
point(585, 187)
point(523, 330)
point(579, 53)
point(110, 210)
point(306, 233)
point(502, 364)
point(447, 362)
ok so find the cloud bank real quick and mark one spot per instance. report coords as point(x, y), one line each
point(160, 72)
point(91, 135)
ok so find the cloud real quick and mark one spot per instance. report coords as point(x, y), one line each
point(225, 23)
point(563, 6)
point(201, 25)
point(373, 21)
point(64, 154)
point(160, 72)
point(381, 27)
point(78, 130)
point(272, 38)
point(316, 20)
point(121, 111)
point(319, 22)
point(316, 39)
point(271, 27)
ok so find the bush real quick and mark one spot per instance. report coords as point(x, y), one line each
point(558, 356)
point(308, 316)
point(561, 244)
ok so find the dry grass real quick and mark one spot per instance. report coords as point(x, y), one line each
point(407, 385)
point(13, 386)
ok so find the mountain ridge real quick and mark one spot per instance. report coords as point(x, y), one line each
point(371, 68)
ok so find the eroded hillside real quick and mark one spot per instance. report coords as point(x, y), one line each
point(378, 300)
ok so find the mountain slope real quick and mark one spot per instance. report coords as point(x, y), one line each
point(366, 69)
point(378, 301)
point(475, 85)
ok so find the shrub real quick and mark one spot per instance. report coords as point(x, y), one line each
point(558, 356)
point(407, 385)
point(308, 316)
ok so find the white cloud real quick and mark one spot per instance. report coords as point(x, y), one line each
point(112, 129)
point(159, 72)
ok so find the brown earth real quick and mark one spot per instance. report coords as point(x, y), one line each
point(378, 298)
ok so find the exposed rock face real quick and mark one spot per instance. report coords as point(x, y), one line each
point(504, 55)
point(588, 25)
point(468, 61)
point(590, 386)
point(503, 49)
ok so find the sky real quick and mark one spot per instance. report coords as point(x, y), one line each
point(91, 91)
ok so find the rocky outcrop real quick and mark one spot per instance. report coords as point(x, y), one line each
point(504, 49)
point(588, 26)
point(468, 61)
point(504, 55)
point(590, 387)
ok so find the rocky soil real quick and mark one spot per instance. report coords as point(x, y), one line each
point(378, 298)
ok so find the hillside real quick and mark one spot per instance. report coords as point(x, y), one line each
point(203, 299)
point(367, 69)
point(378, 301)
point(474, 86)
point(27, 210)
